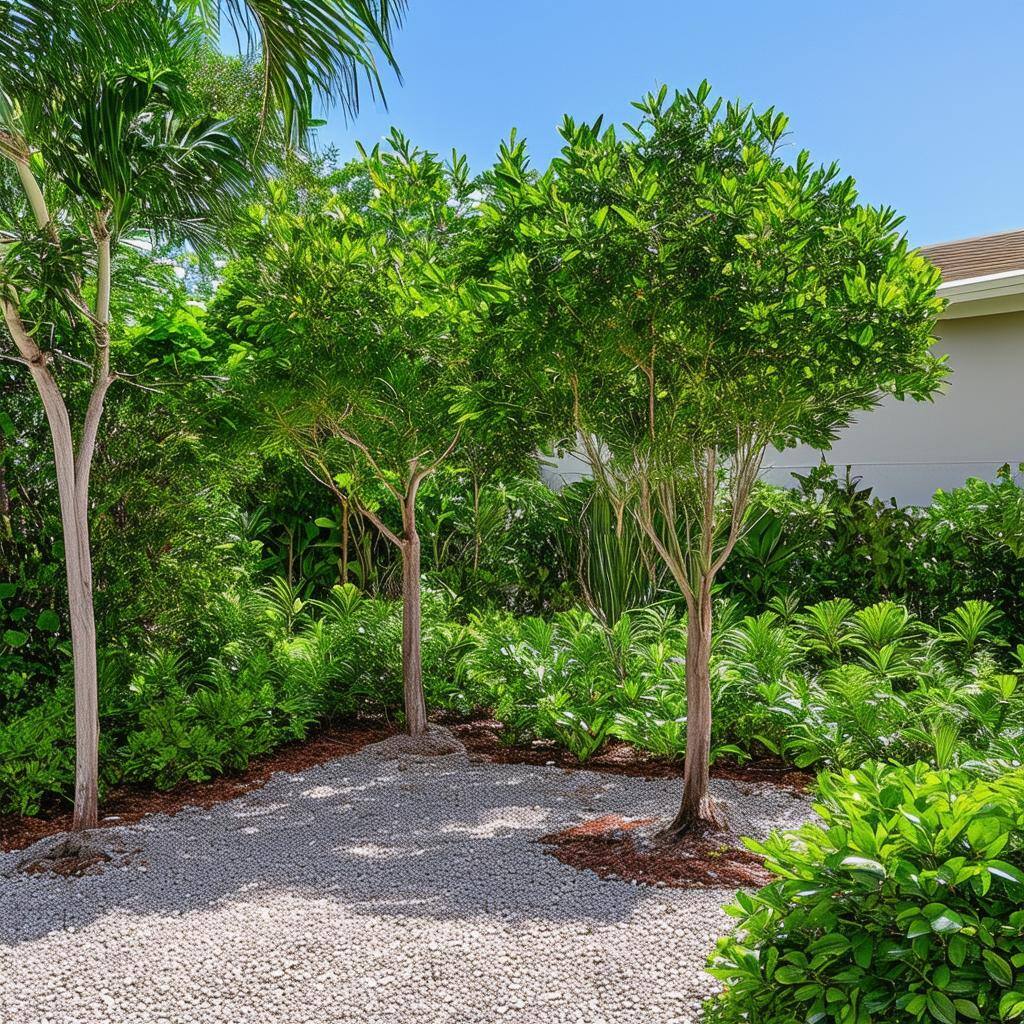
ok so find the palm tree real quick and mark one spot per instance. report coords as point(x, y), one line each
point(310, 49)
point(108, 145)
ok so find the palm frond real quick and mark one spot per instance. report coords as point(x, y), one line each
point(312, 50)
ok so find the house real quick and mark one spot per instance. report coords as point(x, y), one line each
point(908, 450)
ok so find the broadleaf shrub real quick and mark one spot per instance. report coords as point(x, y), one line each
point(830, 536)
point(905, 904)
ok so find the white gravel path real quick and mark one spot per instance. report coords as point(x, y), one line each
point(375, 892)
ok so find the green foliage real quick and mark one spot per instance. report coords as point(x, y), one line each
point(614, 564)
point(571, 681)
point(831, 537)
point(831, 686)
point(495, 545)
point(285, 666)
point(905, 904)
point(37, 754)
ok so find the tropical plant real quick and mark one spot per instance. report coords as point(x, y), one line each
point(903, 904)
point(108, 145)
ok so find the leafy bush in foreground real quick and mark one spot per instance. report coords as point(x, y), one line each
point(906, 904)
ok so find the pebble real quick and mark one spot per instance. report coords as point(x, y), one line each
point(358, 891)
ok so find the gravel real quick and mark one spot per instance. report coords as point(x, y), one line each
point(371, 891)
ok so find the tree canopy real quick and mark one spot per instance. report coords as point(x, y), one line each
point(687, 298)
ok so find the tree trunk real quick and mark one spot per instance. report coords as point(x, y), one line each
point(697, 809)
point(343, 566)
point(476, 523)
point(78, 563)
point(412, 667)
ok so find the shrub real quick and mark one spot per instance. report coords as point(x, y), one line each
point(905, 904)
point(831, 536)
point(37, 755)
point(286, 665)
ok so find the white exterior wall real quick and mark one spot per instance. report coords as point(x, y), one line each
point(908, 450)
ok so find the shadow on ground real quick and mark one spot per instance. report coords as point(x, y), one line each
point(430, 839)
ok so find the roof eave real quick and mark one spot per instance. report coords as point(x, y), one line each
point(983, 296)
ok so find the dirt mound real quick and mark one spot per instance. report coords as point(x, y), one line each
point(73, 855)
point(435, 742)
point(614, 847)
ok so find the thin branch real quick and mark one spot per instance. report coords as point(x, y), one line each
point(379, 523)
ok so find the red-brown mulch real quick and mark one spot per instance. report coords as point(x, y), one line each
point(631, 850)
point(481, 737)
point(127, 804)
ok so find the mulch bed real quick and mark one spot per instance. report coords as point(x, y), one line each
point(127, 804)
point(614, 847)
point(481, 737)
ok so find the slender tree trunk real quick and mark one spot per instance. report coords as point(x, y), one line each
point(5, 500)
point(412, 667)
point(697, 809)
point(343, 505)
point(73, 473)
point(476, 523)
point(75, 530)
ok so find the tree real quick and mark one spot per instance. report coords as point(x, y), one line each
point(110, 145)
point(309, 50)
point(363, 345)
point(694, 299)
point(107, 144)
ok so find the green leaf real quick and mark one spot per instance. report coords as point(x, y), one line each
point(941, 1008)
point(15, 638)
point(787, 975)
point(999, 970)
point(1011, 1005)
point(967, 1008)
point(1007, 872)
point(627, 216)
point(864, 865)
point(942, 919)
point(48, 621)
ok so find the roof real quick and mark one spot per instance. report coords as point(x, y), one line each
point(978, 257)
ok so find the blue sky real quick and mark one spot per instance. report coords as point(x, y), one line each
point(922, 102)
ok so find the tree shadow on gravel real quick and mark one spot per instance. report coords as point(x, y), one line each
point(433, 840)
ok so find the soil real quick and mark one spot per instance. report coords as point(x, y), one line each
point(67, 858)
point(631, 850)
point(437, 741)
point(127, 804)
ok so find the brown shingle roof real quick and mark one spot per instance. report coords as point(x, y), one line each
point(976, 257)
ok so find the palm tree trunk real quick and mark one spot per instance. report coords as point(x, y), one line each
point(78, 564)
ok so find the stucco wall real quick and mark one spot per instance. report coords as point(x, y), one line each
point(908, 450)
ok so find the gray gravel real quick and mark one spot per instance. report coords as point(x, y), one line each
point(370, 891)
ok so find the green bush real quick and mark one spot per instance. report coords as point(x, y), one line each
point(37, 755)
point(571, 681)
point(286, 665)
point(830, 537)
point(905, 904)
